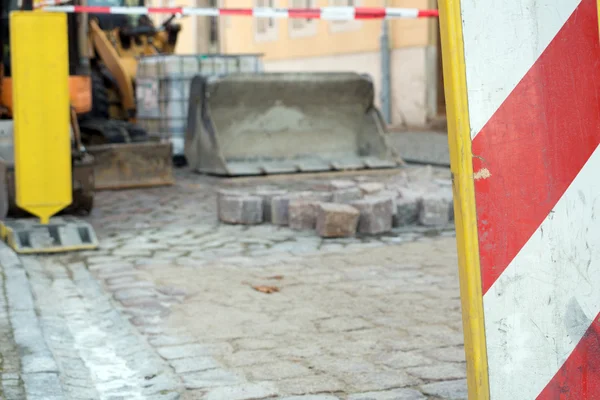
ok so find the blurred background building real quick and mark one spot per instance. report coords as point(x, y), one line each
point(414, 85)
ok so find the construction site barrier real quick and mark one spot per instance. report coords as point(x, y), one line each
point(522, 83)
point(325, 13)
point(41, 139)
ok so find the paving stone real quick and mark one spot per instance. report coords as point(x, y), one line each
point(302, 214)
point(111, 266)
point(80, 383)
point(159, 384)
point(183, 351)
point(164, 396)
point(13, 393)
point(43, 385)
point(10, 376)
point(244, 209)
point(342, 324)
point(446, 193)
point(407, 210)
point(434, 209)
point(75, 373)
point(120, 280)
point(251, 357)
point(448, 354)
point(386, 194)
point(346, 195)
point(168, 340)
point(117, 272)
point(256, 343)
point(38, 362)
point(375, 215)
point(312, 397)
point(280, 204)
point(171, 291)
point(371, 187)
point(379, 380)
point(310, 385)
point(400, 360)
point(280, 210)
point(130, 294)
point(267, 194)
point(18, 291)
point(246, 391)
point(130, 285)
point(396, 394)
point(209, 379)
point(76, 392)
point(449, 390)
point(336, 220)
point(193, 364)
point(337, 184)
point(439, 371)
point(277, 371)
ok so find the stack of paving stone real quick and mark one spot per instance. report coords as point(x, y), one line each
point(341, 208)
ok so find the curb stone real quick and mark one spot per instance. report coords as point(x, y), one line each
point(39, 370)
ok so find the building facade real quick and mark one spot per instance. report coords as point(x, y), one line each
point(415, 87)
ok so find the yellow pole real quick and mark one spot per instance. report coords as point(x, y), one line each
point(40, 79)
point(459, 140)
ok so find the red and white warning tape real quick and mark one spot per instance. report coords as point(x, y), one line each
point(44, 3)
point(326, 13)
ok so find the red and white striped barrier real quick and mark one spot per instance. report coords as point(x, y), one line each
point(522, 82)
point(325, 13)
point(44, 3)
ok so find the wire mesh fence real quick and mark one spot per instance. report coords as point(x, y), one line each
point(163, 89)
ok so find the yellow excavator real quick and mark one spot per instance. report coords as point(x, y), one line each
point(125, 155)
point(108, 150)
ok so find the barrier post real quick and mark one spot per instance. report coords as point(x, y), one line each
point(522, 81)
point(40, 78)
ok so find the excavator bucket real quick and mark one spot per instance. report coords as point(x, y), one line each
point(129, 158)
point(269, 123)
point(132, 165)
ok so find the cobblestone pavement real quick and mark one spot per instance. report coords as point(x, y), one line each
point(174, 305)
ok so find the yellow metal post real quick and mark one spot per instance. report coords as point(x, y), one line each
point(40, 75)
point(459, 140)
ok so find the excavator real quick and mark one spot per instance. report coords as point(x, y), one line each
point(108, 150)
point(126, 156)
point(104, 52)
point(237, 124)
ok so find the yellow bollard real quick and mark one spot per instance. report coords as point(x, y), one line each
point(40, 76)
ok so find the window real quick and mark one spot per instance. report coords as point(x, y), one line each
point(265, 28)
point(300, 27)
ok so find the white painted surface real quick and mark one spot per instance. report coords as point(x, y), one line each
point(502, 40)
point(337, 13)
point(540, 307)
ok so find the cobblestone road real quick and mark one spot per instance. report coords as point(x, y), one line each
point(173, 306)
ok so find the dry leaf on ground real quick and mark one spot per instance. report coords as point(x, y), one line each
point(266, 289)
